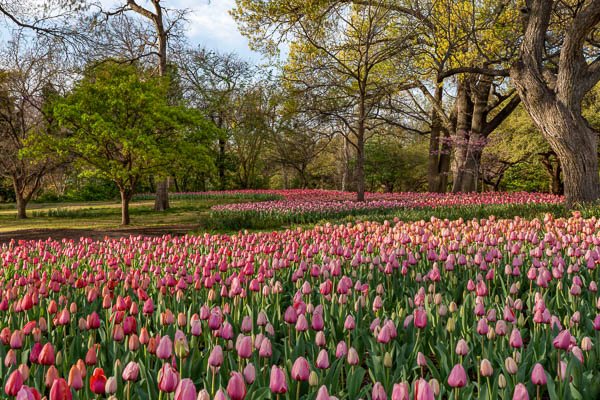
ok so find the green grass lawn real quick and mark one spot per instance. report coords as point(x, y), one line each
point(105, 215)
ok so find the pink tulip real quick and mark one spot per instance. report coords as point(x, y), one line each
point(277, 382)
point(562, 341)
point(423, 390)
point(322, 360)
point(46, 356)
point(378, 392)
point(322, 394)
point(215, 359)
point(75, 378)
point(515, 340)
point(300, 369)
point(420, 318)
point(131, 371)
point(538, 375)
point(186, 390)
point(165, 348)
point(520, 392)
point(457, 377)
point(249, 373)
point(400, 391)
point(168, 379)
point(236, 388)
point(244, 347)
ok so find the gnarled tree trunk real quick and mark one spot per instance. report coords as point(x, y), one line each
point(553, 99)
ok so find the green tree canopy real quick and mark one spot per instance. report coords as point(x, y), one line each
point(121, 126)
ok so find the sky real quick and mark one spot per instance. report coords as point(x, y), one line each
point(213, 27)
point(210, 25)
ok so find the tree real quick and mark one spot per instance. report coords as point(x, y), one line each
point(559, 62)
point(341, 65)
point(164, 21)
point(212, 83)
point(27, 88)
point(50, 18)
point(122, 127)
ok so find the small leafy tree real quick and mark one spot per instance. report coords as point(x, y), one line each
point(121, 126)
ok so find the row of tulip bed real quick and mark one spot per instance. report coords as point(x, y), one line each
point(309, 206)
point(437, 309)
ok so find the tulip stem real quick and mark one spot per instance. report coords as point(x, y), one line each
point(538, 392)
point(128, 390)
point(489, 388)
point(212, 386)
point(298, 391)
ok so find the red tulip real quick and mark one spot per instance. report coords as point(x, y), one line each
point(98, 381)
point(13, 383)
point(46, 356)
point(60, 390)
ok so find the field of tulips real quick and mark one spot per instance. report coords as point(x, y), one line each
point(308, 206)
point(437, 309)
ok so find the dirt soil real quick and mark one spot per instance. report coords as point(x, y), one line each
point(75, 234)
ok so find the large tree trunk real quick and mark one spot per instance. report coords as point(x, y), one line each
point(553, 97)
point(474, 147)
point(434, 173)
point(221, 164)
point(464, 111)
point(360, 168)
point(125, 199)
point(346, 176)
point(21, 205)
point(557, 184)
point(576, 144)
point(161, 202)
point(445, 162)
point(360, 150)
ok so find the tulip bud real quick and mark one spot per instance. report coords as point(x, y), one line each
point(111, 385)
point(435, 386)
point(486, 368)
point(511, 366)
point(313, 379)
point(387, 360)
point(450, 325)
point(501, 381)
